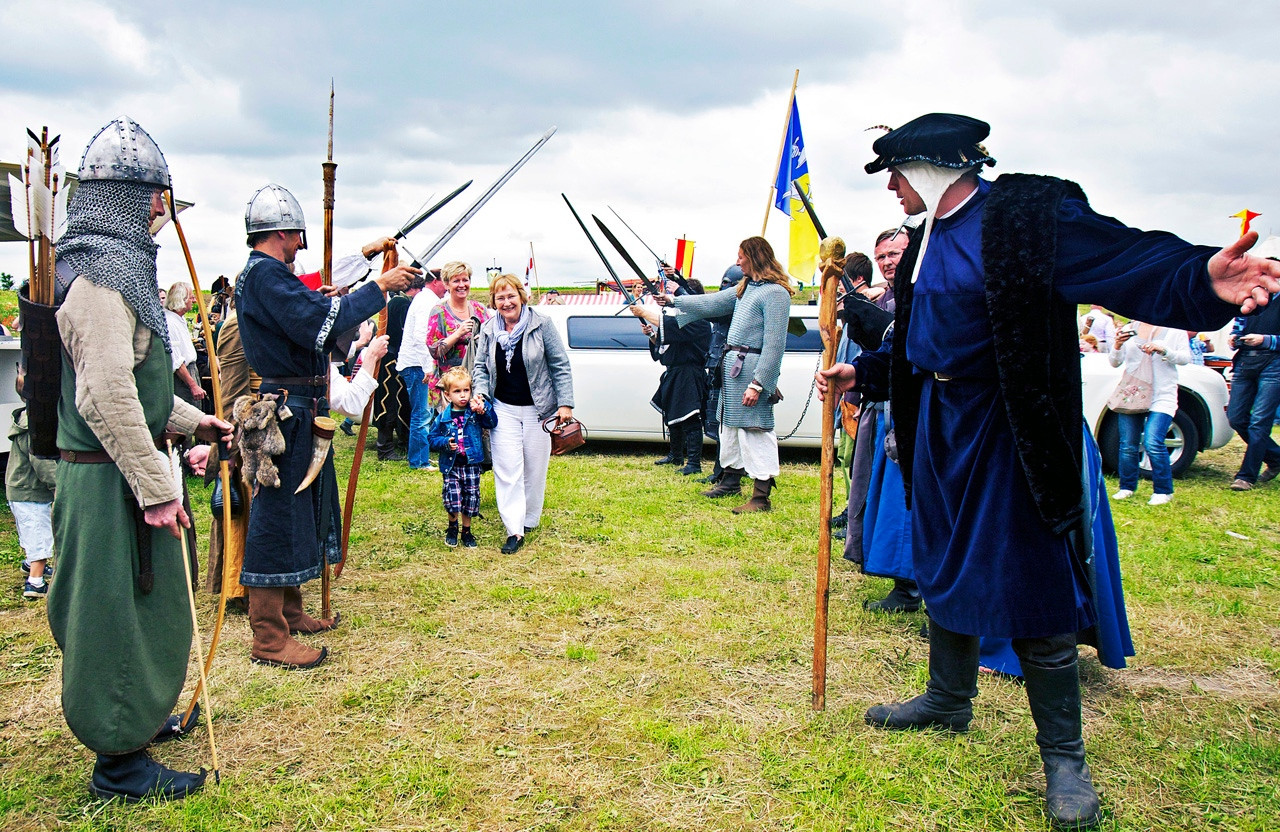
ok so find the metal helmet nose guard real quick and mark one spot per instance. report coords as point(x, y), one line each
point(123, 152)
point(273, 208)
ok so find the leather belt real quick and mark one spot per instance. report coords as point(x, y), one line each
point(296, 381)
point(102, 457)
point(742, 349)
point(739, 358)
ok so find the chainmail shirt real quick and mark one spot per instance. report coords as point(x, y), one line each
point(108, 240)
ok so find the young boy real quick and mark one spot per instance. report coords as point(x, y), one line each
point(456, 434)
point(29, 489)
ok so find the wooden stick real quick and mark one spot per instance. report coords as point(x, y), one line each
point(195, 623)
point(830, 337)
point(782, 147)
point(224, 465)
point(330, 175)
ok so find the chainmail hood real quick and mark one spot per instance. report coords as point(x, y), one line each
point(108, 241)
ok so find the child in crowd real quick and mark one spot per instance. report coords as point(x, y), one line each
point(28, 483)
point(456, 434)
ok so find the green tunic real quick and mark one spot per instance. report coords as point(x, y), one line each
point(125, 654)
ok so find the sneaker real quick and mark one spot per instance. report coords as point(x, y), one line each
point(1122, 494)
point(1269, 474)
point(31, 591)
point(48, 569)
point(1160, 499)
point(1240, 485)
point(451, 535)
point(468, 539)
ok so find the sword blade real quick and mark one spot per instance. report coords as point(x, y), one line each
point(421, 218)
point(616, 280)
point(679, 278)
point(613, 241)
point(448, 234)
point(808, 207)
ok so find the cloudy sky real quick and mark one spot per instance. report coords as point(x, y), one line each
point(671, 112)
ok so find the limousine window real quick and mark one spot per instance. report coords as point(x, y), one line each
point(623, 333)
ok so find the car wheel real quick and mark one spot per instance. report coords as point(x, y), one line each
point(1183, 442)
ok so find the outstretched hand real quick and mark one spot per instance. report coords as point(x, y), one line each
point(839, 378)
point(1242, 279)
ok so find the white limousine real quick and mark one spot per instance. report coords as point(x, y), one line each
point(614, 378)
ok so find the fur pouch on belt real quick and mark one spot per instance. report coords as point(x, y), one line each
point(259, 438)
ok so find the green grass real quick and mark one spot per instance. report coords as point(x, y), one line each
point(644, 664)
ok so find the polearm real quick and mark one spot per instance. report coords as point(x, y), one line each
point(817, 226)
point(832, 253)
point(330, 169)
point(448, 234)
point(612, 274)
point(662, 264)
point(613, 241)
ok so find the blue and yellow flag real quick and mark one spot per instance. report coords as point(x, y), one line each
point(793, 170)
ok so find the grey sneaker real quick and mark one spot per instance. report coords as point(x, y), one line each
point(1240, 485)
point(1271, 472)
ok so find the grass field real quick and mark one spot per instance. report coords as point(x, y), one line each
point(644, 664)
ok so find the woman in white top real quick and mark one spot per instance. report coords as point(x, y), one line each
point(1165, 349)
point(186, 377)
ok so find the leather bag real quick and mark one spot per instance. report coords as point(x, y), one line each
point(566, 436)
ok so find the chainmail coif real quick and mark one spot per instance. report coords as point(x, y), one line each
point(108, 240)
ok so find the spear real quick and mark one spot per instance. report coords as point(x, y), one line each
point(330, 169)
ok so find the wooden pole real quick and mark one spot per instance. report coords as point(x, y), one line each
point(831, 270)
point(782, 147)
point(534, 262)
point(330, 175)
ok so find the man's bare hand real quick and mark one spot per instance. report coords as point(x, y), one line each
point(376, 247)
point(211, 429)
point(198, 459)
point(169, 516)
point(1241, 279)
point(750, 396)
point(397, 280)
point(1253, 339)
point(375, 351)
point(839, 378)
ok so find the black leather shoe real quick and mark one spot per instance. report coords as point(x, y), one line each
point(134, 777)
point(512, 545)
point(174, 727)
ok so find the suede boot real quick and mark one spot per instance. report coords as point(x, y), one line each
point(693, 449)
point(297, 618)
point(759, 498)
point(730, 484)
point(675, 455)
point(904, 597)
point(272, 643)
point(135, 776)
point(948, 698)
point(1054, 696)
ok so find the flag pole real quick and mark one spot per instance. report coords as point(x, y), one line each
point(782, 147)
point(532, 260)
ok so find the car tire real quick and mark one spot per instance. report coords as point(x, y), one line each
point(1183, 441)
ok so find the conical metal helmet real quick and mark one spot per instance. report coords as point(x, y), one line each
point(273, 208)
point(122, 151)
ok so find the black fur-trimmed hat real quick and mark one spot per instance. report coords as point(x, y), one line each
point(942, 139)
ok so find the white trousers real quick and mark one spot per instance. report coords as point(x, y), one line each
point(521, 456)
point(751, 449)
point(35, 528)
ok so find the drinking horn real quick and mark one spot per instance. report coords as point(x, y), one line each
point(322, 428)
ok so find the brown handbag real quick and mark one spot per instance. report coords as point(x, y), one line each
point(566, 436)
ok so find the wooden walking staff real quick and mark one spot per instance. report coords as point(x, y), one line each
point(229, 579)
point(831, 253)
point(330, 175)
point(390, 259)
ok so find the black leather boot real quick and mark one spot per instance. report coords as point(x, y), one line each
point(135, 776)
point(675, 455)
point(692, 448)
point(904, 597)
point(948, 698)
point(386, 445)
point(1054, 696)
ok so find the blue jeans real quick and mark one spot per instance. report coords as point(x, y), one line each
point(421, 418)
point(1139, 431)
point(1255, 395)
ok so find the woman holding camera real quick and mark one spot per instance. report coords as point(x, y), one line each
point(1136, 346)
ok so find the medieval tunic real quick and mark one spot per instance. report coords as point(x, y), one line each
point(986, 560)
point(683, 386)
point(288, 331)
point(760, 323)
point(124, 651)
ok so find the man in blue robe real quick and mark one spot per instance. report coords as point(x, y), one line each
point(985, 388)
point(288, 331)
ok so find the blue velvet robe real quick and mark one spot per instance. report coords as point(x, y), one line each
point(288, 331)
point(986, 562)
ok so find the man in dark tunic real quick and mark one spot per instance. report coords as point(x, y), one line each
point(119, 610)
point(288, 331)
point(986, 397)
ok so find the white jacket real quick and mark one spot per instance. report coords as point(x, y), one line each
point(1164, 375)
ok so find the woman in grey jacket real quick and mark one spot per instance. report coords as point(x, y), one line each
point(761, 307)
point(521, 363)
